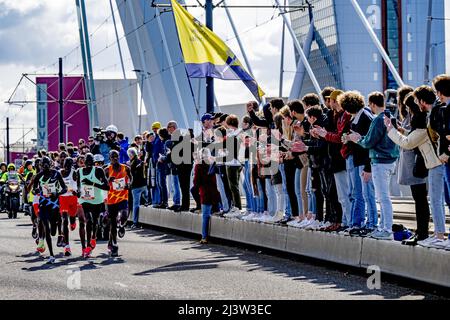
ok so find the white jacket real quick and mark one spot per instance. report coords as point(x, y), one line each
point(417, 138)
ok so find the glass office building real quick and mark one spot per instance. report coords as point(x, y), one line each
point(344, 56)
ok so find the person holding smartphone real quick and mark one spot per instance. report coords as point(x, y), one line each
point(383, 153)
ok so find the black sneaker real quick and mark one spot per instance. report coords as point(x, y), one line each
point(365, 232)
point(194, 210)
point(412, 241)
point(34, 233)
point(355, 232)
point(114, 251)
point(60, 242)
point(173, 208)
point(284, 221)
point(121, 232)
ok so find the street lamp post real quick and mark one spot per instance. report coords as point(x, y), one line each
point(142, 74)
point(68, 125)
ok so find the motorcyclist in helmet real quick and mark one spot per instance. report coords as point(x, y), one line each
point(3, 167)
point(10, 174)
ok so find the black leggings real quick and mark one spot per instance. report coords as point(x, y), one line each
point(118, 211)
point(419, 193)
point(48, 219)
point(92, 213)
point(289, 170)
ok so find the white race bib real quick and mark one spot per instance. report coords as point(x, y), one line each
point(48, 189)
point(87, 193)
point(68, 183)
point(118, 184)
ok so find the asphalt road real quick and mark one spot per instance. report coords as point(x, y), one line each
point(155, 265)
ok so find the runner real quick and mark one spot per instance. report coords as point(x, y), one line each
point(119, 178)
point(49, 185)
point(68, 204)
point(91, 181)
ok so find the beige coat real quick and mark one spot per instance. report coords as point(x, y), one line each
point(417, 138)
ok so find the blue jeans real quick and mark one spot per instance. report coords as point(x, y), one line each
point(298, 190)
point(271, 197)
point(156, 194)
point(260, 199)
point(381, 174)
point(343, 192)
point(206, 212)
point(248, 189)
point(358, 204)
point(161, 178)
point(447, 184)
point(137, 193)
point(310, 193)
point(176, 190)
point(368, 190)
point(287, 202)
point(436, 185)
point(223, 195)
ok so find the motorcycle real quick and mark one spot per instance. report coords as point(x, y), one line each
point(12, 196)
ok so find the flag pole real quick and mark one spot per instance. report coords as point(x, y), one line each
point(209, 80)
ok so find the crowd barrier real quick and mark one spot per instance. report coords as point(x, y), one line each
point(418, 263)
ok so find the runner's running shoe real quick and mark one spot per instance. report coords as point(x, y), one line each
point(51, 260)
point(73, 226)
point(115, 251)
point(67, 251)
point(87, 252)
point(34, 233)
point(41, 246)
point(93, 243)
point(121, 232)
point(60, 242)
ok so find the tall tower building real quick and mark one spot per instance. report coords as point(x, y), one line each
point(343, 55)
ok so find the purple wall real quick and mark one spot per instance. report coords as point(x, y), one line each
point(74, 113)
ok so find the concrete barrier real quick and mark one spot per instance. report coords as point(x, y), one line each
point(324, 246)
point(423, 264)
point(419, 263)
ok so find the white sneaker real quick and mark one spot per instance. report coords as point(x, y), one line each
point(424, 243)
point(256, 217)
point(445, 245)
point(298, 223)
point(314, 225)
point(292, 223)
point(305, 223)
point(432, 242)
point(278, 216)
point(248, 217)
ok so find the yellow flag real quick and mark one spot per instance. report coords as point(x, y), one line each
point(206, 55)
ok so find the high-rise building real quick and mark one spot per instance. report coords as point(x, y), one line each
point(344, 56)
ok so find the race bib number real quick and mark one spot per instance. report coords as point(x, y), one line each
point(118, 184)
point(48, 189)
point(68, 185)
point(87, 193)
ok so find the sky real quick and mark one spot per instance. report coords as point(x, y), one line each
point(33, 34)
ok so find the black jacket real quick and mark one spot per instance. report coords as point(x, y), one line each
point(361, 124)
point(137, 169)
point(318, 148)
point(439, 123)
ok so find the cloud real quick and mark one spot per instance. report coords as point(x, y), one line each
point(35, 33)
